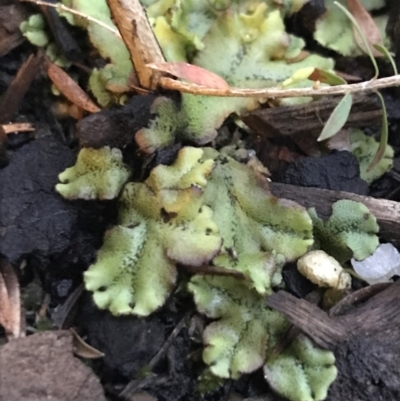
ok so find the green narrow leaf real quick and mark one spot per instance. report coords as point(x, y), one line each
point(338, 118)
point(327, 77)
point(361, 33)
point(388, 55)
point(384, 136)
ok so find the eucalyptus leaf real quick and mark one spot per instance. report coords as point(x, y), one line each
point(384, 136)
point(338, 118)
point(388, 55)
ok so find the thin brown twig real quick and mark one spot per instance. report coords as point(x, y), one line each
point(276, 92)
point(61, 7)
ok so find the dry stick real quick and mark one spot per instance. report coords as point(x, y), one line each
point(61, 7)
point(17, 127)
point(132, 22)
point(276, 92)
point(379, 314)
point(316, 323)
point(386, 212)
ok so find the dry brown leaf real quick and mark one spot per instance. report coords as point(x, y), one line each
point(10, 304)
point(368, 26)
point(192, 73)
point(83, 349)
point(70, 89)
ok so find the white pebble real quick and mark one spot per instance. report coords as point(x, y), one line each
point(380, 267)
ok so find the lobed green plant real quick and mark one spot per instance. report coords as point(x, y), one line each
point(365, 148)
point(209, 209)
point(97, 174)
point(254, 51)
point(334, 30)
point(34, 29)
point(350, 232)
point(253, 48)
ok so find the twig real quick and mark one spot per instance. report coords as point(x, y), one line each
point(276, 92)
point(61, 7)
point(17, 127)
point(387, 212)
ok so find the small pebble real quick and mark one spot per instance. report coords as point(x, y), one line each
point(323, 270)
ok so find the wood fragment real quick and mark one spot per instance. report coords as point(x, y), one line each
point(356, 298)
point(386, 212)
point(17, 127)
point(377, 314)
point(310, 119)
point(132, 22)
point(312, 320)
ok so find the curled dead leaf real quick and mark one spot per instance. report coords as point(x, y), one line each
point(192, 73)
point(367, 25)
point(83, 349)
